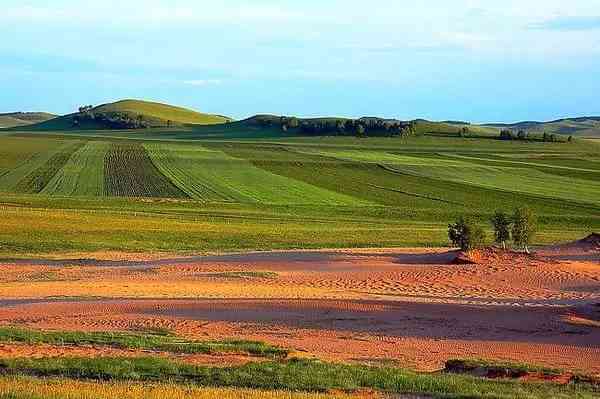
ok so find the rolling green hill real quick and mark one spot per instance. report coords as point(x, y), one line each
point(582, 127)
point(272, 126)
point(129, 114)
point(14, 119)
point(162, 112)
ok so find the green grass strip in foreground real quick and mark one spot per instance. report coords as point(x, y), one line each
point(293, 375)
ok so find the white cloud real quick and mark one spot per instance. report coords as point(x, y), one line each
point(275, 36)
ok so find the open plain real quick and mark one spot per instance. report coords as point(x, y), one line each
point(262, 262)
point(412, 307)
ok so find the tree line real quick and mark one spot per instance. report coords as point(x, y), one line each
point(115, 120)
point(518, 228)
point(362, 127)
point(522, 135)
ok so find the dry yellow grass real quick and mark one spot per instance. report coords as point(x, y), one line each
point(26, 387)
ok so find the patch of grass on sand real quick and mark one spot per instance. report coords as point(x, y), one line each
point(149, 340)
point(292, 375)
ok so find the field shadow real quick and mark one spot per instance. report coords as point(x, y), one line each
point(269, 257)
point(397, 319)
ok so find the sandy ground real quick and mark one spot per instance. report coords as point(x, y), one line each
point(412, 307)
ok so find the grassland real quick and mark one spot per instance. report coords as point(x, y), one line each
point(292, 375)
point(153, 191)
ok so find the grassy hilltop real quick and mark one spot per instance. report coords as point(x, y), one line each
point(128, 113)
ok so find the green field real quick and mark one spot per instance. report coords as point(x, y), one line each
point(185, 191)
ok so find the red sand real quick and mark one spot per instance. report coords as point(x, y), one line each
point(410, 306)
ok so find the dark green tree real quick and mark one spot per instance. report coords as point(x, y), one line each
point(466, 234)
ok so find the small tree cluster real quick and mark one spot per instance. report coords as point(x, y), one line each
point(86, 109)
point(113, 120)
point(520, 227)
point(522, 135)
point(512, 135)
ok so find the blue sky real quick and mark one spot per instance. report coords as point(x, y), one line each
point(438, 59)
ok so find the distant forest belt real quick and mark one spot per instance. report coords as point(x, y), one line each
point(129, 172)
point(37, 179)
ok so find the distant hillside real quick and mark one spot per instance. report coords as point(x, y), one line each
point(365, 126)
point(130, 114)
point(14, 119)
point(582, 127)
point(137, 114)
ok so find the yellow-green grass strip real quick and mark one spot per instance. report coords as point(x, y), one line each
point(17, 387)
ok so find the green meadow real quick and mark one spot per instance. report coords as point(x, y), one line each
point(185, 191)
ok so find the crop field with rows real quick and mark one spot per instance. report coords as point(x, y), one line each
point(211, 174)
point(212, 195)
point(83, 174)
point(129, 172)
